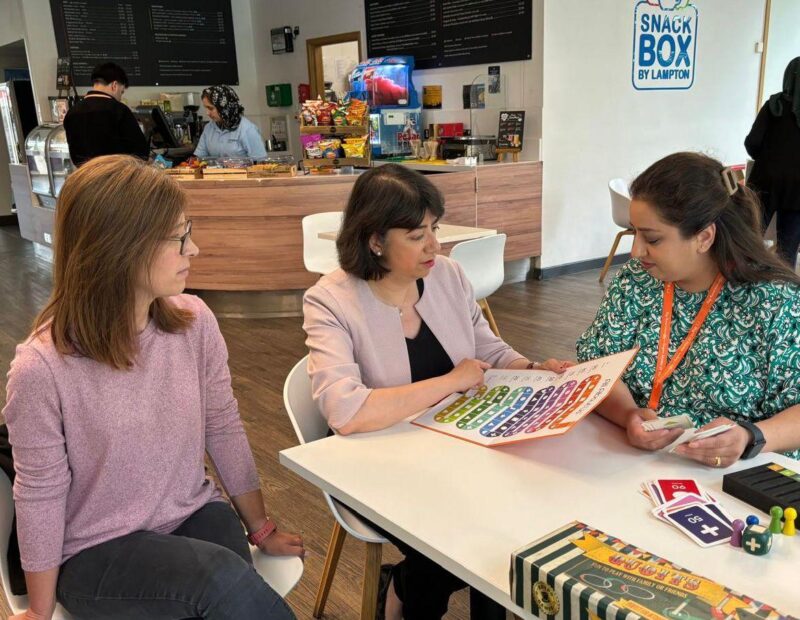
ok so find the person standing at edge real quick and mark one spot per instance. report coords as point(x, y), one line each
point(774, 144)
point(101, 124)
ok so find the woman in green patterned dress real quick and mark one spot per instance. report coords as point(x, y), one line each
point(698, 234)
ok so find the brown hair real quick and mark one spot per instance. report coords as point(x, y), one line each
point(112, 215)
point(687, 190)
point(390, 196)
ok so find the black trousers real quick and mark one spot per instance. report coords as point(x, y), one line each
point(788, 232)
point(424, 587)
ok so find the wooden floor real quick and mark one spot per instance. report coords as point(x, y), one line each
point(539, 318)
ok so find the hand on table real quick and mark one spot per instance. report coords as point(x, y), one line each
point(554, 365)
point(468, 374)
point(719, 451)
point(283, 543)
point(648, 440)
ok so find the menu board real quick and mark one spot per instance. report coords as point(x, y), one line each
point(161, 43)
point(510, 130)
point(450, 33)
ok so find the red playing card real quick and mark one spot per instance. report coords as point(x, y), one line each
point(672, 488)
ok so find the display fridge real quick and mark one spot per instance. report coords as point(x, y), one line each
point(49, 163)
point(18, 116)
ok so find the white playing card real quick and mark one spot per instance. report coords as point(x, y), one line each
point(676, 421)
point(693, 435)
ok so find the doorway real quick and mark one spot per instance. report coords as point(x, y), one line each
point(330, 62)
point(17, 119)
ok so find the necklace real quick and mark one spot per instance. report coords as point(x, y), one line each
point(382, 298)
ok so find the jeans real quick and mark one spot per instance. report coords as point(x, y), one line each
point(787, 228)
point(202, 570)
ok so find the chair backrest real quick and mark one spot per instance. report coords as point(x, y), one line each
point(620, 202)
point(482, 262)
point(308, 423)
point(319, 255)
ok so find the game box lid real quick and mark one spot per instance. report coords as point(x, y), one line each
point(579, 572)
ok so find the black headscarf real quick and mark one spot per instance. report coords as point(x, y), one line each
point(790, 93)
point(226, 101)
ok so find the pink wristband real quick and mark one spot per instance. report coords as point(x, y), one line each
point(256, 538)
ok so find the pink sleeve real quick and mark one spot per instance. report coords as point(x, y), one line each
point(488, 347)
point(226, 441)
point(36, 433)
point(336, 382)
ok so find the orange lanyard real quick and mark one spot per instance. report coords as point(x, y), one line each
point(663, 369)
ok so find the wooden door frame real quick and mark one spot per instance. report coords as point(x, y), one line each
point(314, 52)
point(765, 43)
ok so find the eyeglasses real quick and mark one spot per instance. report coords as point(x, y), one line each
point(184, 237)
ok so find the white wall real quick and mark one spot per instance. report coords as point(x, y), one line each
point(37, 26)
point(318, 19)
point(338, 61)
point(596, 126)
point(783, 45)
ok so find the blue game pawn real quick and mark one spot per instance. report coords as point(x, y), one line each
point(736, 537)
point(752, 520)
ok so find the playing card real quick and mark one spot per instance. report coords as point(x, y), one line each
point(676, 421)
point(700, 524)
point(673, 488)
point(694, 434)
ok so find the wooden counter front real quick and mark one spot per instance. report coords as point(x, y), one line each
point(250, 235)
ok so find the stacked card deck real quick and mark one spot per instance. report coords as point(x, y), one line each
point(686, 506)
point(765, 486)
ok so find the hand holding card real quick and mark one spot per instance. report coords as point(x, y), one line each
point(696, 434)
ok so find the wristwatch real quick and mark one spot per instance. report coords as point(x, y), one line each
point(757, 440)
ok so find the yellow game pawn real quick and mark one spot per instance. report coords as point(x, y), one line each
point(789, 515)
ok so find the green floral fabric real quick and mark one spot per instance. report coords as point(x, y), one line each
point(744, 364)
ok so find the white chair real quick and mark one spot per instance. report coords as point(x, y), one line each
point(319, 255)
point(621, 214)
point(281, 573)
point(309, 425)
point(482, 262)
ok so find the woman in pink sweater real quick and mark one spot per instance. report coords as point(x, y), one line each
point(113, 402)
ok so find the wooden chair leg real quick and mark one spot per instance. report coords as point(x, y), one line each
point(331, 560)
point(372, 573)
point(487, 312)
point(613, 251)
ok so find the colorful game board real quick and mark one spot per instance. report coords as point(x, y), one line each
point(516, 405)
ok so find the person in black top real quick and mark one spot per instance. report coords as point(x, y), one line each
point(774, 144)
point(101, 124)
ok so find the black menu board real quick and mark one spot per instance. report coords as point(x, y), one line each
point(450, 33)
point(161, 43)
point(510, 130)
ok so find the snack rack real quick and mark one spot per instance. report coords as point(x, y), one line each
point(341, 132)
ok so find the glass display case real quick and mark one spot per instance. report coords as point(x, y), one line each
point(48, 161)
point(58, 159)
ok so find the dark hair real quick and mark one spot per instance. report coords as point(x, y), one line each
point(109, 72)
point(688, 191)
point(390, 196)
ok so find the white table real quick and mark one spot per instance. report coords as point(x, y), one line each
point(448, 233)
point(468, 507)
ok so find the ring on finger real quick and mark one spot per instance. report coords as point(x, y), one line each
point(717, 461)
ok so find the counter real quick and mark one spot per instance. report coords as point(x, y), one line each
point(251, 239)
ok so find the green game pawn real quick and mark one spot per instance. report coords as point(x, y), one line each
point(775, 525)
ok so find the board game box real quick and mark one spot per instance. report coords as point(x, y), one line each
point(765, 486)
point(581, 573)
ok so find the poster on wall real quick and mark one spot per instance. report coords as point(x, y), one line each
point(664, 44)
point(432, 97)
point(450, 33)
